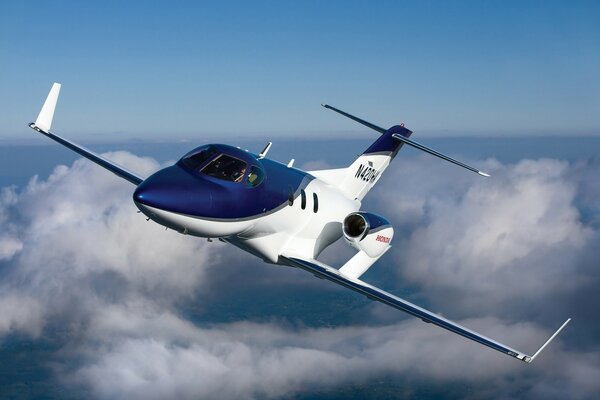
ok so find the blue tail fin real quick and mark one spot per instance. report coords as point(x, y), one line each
point(387, 144)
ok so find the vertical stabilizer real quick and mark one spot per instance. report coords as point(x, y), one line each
point(366, 170)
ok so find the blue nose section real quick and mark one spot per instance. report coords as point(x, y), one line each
point(176, 190)
point(148, 195)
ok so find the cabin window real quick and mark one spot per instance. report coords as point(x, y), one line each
point(303, 199)
point(227, 168)
point(255, 176)
point(315, 202)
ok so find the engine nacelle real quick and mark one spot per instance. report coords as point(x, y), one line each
point(368, 232)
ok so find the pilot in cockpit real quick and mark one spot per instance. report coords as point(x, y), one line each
point(223, 166)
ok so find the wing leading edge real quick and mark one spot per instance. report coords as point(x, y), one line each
point(44, 121)
point(321, 270)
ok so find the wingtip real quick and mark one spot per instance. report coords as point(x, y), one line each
point(483, 174)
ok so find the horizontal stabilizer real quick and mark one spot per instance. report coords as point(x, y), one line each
point(426, 149)
point(360, 121)
point(405, 140)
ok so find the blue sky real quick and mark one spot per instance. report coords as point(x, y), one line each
point(190, 69)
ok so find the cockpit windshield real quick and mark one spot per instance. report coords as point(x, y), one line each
point(213, 161)
point(195, 160)
point(227, 168)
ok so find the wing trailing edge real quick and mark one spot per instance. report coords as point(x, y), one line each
point(324, 271)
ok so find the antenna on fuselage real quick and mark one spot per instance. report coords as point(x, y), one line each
point(265, 150)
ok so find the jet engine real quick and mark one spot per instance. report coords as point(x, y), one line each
point(368, 232)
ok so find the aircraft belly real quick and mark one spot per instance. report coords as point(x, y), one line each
point(194, 225)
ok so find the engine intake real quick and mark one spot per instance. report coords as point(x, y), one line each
point(355, 225)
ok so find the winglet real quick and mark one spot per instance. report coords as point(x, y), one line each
point(44, 119)
point(530, 359)
point(43, 123)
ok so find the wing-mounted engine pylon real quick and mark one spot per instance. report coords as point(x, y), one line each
point(371, 235)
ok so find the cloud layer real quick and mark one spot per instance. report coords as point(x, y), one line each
point(513, 238)
point(491, 253)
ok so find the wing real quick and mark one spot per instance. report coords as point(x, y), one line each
point(324, 271)
point(44, 121)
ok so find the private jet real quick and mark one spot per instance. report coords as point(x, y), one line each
point(280, 213)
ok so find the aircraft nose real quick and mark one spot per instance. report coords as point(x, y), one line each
point(150, 193)
point(173, 189)
point(142, 193)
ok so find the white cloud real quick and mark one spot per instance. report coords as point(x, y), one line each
point(82, 220)
point(498, 240)
point(9, 246)
point(82, 256)
point(20, 313)
point(253, 360)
